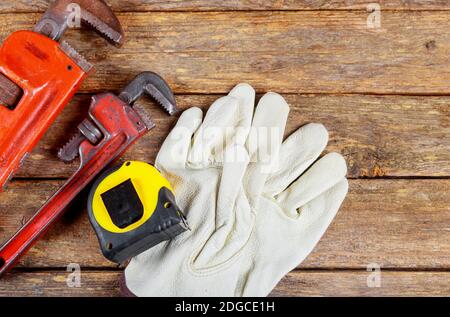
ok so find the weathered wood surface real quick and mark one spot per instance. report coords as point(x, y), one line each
point(297, 283)
point(345, 283)
point(383, 94)
point(288, 52)
point(379, 135)
point(395, 223)
point(94, 284)
point(220, 5)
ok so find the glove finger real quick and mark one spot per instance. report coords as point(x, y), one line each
point(264, 142)
point(246, 96)
point(323, 175)
point(287, 241)
point(297, 153)
point(233, 219)
point(212, 132)
point(227, 122)
point(269, 124)
point(174, 151)
point(231, 182)
point(314, 219)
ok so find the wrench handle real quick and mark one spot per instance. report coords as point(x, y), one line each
point(38, 225)
point(25, 238)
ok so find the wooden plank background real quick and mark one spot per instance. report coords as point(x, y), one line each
point(290, 52)
point(237, 5)
point(383, 94)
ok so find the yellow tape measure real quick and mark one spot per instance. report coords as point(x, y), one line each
point(132, 208)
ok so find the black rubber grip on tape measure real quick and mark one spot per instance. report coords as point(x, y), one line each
point(166, 223)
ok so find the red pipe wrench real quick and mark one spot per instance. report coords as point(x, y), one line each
point(39, 75)
point(112, 126)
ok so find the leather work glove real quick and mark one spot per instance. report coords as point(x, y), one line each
point(256, 206)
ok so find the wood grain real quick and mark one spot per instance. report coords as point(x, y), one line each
point(220, 5)
point(380, 136)
point(297, 283)
point(39, 284)
point(372, 88)
point(287, 52)
point(395, 223)
point(345, 283)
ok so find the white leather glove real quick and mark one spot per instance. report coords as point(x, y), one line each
point(256, 207)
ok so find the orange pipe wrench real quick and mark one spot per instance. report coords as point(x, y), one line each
point(39, 76)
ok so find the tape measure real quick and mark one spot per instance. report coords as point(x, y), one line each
point(132, 209)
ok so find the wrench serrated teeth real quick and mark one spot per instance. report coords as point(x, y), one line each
point(103, 28)
point(75, 56)
point(144, 116)
point(155, 86)
point(167, 104)
point(69, 152)
point(94, 13)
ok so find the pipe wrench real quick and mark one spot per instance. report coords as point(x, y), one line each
point(112, 126)
point(39, 75)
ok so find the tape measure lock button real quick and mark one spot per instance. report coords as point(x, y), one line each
point(132, 209)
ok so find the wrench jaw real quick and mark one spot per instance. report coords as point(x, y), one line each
point(142, 115)
point(153, 85)
point(94, 14)
point(92, 131)
point(39, 75)
point(110, 121)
